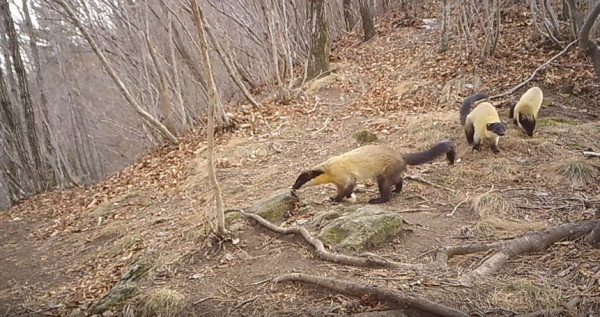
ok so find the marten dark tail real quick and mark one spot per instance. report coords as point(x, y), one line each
point(444, 147)
point(465, 109)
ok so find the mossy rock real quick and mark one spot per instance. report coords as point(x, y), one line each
point(273, 207)
point(365, 136)
point(144, 263)
point(369, 226)
point(117, 295)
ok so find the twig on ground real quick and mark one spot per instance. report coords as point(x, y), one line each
point(415, 210)
point(421, 180)
point(202, 300)
point(246, 302)
point(323, 128)
point(523, 83)
point(43, 310)
point(379, 292)
point(261, 282)
point(456, 207)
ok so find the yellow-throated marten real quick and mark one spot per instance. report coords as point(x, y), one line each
point(483, 123)
point(526, 110)
point(379, 162)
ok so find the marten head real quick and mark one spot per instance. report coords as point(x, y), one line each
point(498, 128)
point(305, 177)
point(528, 124)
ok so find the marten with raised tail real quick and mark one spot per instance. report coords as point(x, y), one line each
point(379, 162)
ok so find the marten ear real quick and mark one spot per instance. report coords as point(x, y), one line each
point(305, 177)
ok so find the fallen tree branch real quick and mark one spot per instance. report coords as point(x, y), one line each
point(421, 180)
point(533, 242)
point(326, 255)
point(381, 293)
point(543, 313)
point(590, 153)
point(523, 83)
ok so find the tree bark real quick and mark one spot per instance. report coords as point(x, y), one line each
point(445, 22)
point(140, 111)
point(588, 45)
point(47, 133)
point(212, 101)
point(166, 107)
point(348, 17)
point(27, 103)
point(319, 47)
point(177, 84)
point(367, 19)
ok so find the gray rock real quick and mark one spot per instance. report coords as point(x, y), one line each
point(367, 227)
point(118, 294)
point(273, 207)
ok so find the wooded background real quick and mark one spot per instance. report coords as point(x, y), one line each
point(79, 106)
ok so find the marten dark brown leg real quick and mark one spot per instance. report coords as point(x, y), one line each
point(476, 147)
point(385, 190)
point(398, 188)
point(349, 189)
point(469, 132)
point(341, 193)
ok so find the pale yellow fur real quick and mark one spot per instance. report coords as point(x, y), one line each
point(529, 104)
point(362, 163)
point(483, 114)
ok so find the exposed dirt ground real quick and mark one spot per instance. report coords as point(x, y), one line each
point(69, 247)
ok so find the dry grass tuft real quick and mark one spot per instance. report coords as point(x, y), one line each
point(491, 204)
point(578, 173)
point(525, 295)
point(163, 303)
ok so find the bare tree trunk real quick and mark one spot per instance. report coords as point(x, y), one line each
point(212, 93)
point(267, 11)
point(348, 17)
point(445, 22)
point(588, 45)
point(319, 38)
point(27, 103)
point(166, 107)
point(177, 84)
point(593, 238)
point(11, 136)
point(576, 16)
point(141, 112)
point(367, 19)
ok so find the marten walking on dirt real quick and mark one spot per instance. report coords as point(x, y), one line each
point(481, 124)
point(380, 162)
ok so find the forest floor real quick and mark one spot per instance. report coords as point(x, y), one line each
point(70, 247)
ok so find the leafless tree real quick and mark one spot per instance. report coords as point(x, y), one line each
point(348, 16)
point(212, 92)
point(25, 97)
point(445, 25)
point(586, 43)
point(318, 62)
point(367, 19)
point(141, 112)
